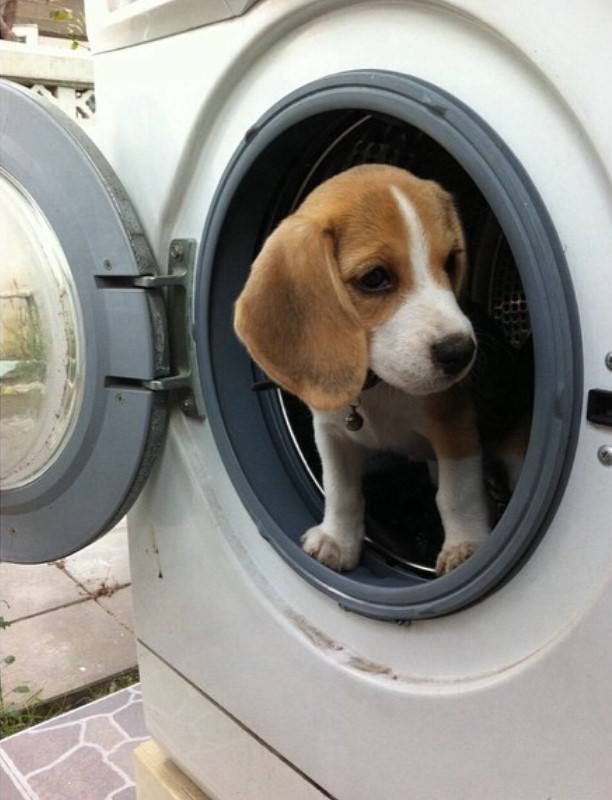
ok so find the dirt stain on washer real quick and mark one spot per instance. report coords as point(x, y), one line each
point(344, 656)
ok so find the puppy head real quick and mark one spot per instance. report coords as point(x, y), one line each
point(364, 274)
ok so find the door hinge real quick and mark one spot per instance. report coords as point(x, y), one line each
point(178, 286)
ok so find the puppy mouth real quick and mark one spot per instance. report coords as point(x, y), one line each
point(436, 381)
point(451, 380)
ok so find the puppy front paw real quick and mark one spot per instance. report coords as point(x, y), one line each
point(453, 556)
point(329, 550)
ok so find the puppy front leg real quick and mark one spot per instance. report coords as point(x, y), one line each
point(463, 508)
point(461, 496)
point(337, 541)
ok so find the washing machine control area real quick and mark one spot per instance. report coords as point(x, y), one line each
point(125, 387)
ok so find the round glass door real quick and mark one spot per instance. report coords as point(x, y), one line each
point(41, 337)
point(83, 343)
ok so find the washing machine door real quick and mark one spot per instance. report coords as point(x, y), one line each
point(83, 347)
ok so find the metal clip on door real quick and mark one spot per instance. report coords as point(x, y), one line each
point(178, 284)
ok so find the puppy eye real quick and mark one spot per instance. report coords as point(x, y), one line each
point(378, 279)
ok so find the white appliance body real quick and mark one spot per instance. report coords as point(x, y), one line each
point(257, 684)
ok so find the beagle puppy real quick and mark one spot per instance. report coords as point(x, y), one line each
point(363, 278)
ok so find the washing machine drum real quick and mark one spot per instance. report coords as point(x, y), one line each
point(528, 370)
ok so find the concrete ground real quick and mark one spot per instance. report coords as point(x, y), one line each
point(70, 622)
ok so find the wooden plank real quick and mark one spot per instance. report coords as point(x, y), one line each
point(158, 778)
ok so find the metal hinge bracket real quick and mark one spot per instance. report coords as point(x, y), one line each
point(178, 285)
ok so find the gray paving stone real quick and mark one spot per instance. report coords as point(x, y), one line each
point(105, 563)
point(33, 589)
point(119, 605)
point(63, 650)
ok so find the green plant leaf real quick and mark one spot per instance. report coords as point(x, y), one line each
point(8, 659)
point(61, 14)
point(22, 689)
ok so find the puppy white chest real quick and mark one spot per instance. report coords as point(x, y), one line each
point(392, 421)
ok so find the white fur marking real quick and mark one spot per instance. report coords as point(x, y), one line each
point(417, 240)
point(400, 348)
point(462, 505)
point(461, 500)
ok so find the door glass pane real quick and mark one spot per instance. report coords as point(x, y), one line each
point(41, 340)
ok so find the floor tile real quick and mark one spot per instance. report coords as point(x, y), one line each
point(51, 745)
point(85, 754)
point(8, 789)
point(103, 564)
point(63, 650)
point(33, 589)
point(73, 777)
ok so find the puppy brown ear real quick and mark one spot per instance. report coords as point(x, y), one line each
point(459, 272)
point(458, 266)
point(296, 319)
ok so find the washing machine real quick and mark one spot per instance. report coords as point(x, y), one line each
point(265, 674)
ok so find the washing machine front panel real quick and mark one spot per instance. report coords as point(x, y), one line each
point(526, 86)
point(444, 696)
point(81, 342)
point(269, 66)
point(501, 698)
point(113, 25)
point(339, 697)
point(353, 101)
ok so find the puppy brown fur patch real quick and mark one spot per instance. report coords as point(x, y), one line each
point(295, 321)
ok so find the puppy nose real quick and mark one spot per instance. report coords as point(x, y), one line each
point(453, 353)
